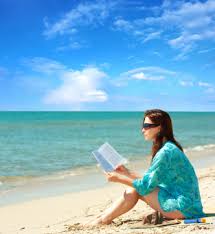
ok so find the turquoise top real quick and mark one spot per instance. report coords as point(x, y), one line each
point(173, 174)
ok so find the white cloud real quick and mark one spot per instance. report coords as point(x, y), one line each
point(78, 87)
point(191, 21)
point(194, 22)
point(208, 87)
point(135, 60)
point(139, 76)
point(187, 40)
point(105, 65)
point(75, 86)
point(157, 54)
point(204, 84)
point(157, 70)
point(184, 51)
point(152, 36)
point(89, 13)
point(186, 83)
point(131, 28)
point(131, 57)
point(186, 15)
point(123, 25)
point(71, 46)
point(206, 51)
point(44, 65)
point(142, 76)
point(143, 73)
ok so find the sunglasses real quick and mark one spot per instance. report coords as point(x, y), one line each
point(148, 125)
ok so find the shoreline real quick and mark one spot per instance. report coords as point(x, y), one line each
point(82, 180)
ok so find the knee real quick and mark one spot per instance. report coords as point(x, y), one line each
point(131, 193)
point(151, 197)
point(146, 198)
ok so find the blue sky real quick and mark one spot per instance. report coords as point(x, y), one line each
point(107, 55)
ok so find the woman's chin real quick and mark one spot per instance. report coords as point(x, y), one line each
point(147, 138)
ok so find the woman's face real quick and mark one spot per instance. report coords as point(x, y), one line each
point(151, 132)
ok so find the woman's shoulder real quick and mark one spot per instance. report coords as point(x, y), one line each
point(167, 152)
point(170, 147)
point(173, 150)
point(167, 149)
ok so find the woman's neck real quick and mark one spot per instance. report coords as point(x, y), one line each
point(165, 140)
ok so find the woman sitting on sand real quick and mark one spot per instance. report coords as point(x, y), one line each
point(169, 186)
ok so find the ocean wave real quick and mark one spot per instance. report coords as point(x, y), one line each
point(68, 173)
point(55, 176)
point(199, 148)
point(14, 179)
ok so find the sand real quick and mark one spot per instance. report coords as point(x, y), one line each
point(65, 213)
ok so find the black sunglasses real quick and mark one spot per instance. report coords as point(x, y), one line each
point(148, 125)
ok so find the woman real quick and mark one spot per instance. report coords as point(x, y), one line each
point(170, 185)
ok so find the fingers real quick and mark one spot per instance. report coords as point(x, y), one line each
point(108, 174)
point(121, 169)
point(118, 167)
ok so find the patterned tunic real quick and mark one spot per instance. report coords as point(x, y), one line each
point(173, 174)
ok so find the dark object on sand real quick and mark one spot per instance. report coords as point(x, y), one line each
point(153, 218)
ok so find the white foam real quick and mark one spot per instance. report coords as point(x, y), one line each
point(201, 148)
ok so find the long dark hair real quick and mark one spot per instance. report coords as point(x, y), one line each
point(166, 130)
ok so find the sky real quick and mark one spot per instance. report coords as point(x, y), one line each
point(117, 55)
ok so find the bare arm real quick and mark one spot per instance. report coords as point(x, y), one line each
point(126, 172)
point(115, 177)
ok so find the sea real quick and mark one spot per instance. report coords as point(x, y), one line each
point(50, 153)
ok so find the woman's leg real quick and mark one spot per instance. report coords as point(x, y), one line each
point(128, 201)
point(121, 206)
point(152, 200)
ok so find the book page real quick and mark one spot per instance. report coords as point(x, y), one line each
point(111, 156)
point(102, 161)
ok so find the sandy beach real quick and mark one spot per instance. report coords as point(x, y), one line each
point(66, 213)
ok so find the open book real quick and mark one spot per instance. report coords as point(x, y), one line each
point(108, 158)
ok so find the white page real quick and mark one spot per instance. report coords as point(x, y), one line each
point(107, 167)
point(108, 157)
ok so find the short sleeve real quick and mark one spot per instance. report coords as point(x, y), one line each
point(155, 175)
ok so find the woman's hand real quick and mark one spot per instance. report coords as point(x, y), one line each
point(112, 177)
point(116, 177)
point(121, 169)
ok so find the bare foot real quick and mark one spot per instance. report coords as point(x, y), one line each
point(90, 221)
point(97, 222)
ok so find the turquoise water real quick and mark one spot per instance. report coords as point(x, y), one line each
point(44, 143)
